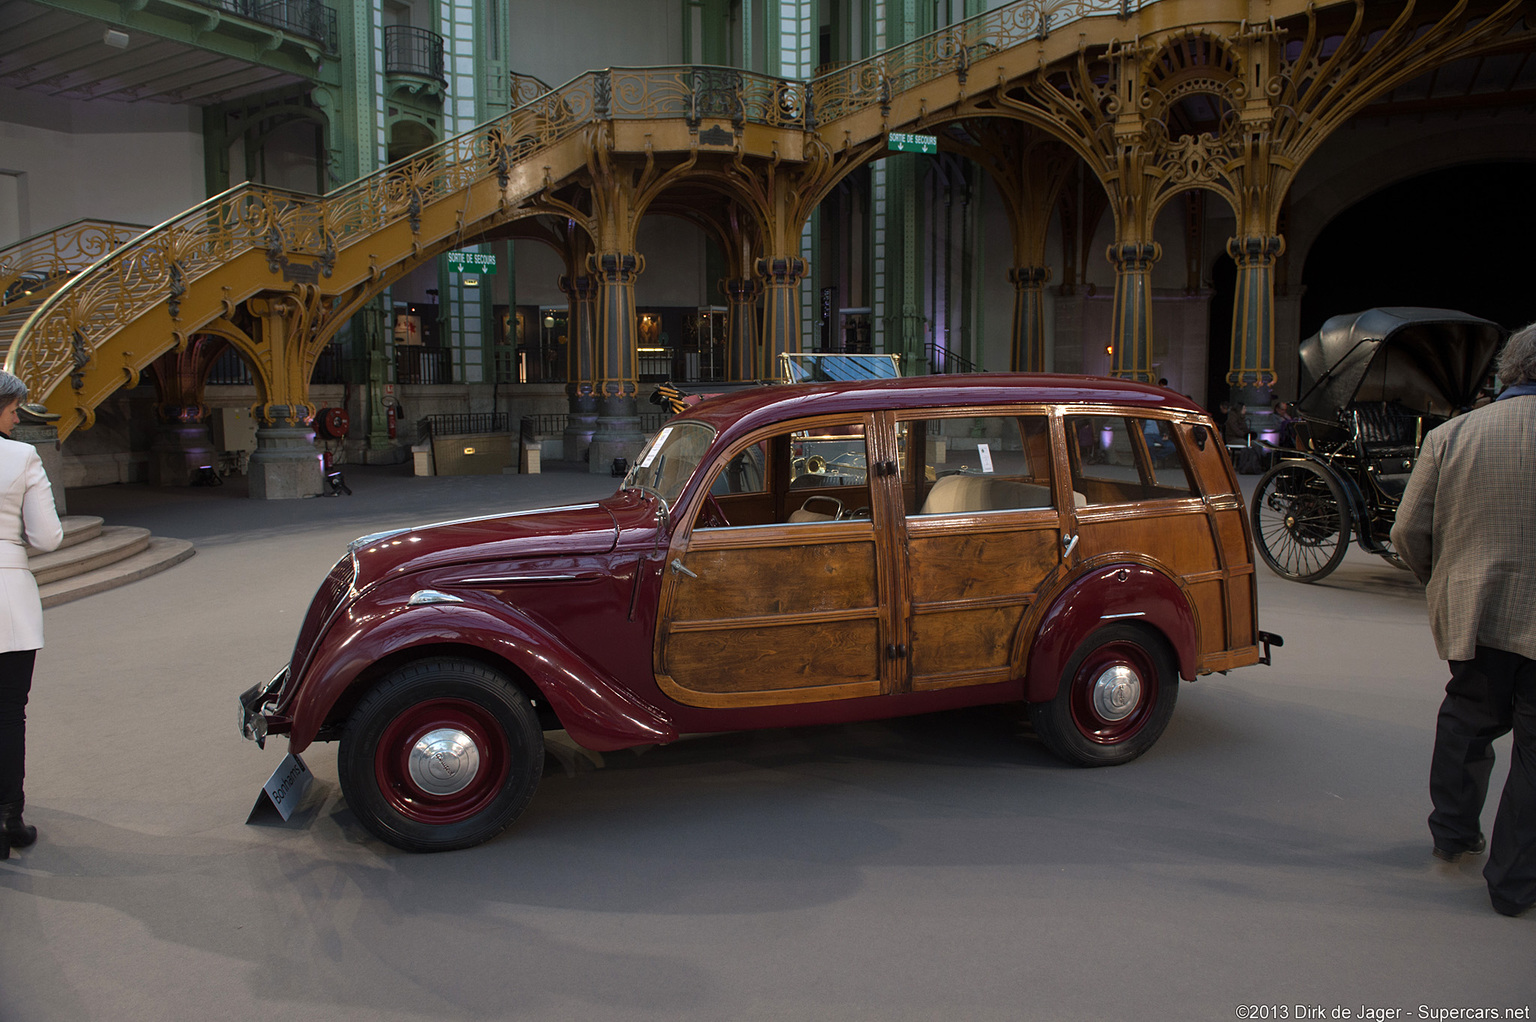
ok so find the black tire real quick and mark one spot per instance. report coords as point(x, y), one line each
point(1301, 521)
point(411, 740)
point(1131, 672)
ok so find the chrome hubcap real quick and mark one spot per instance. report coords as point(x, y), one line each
point(1116, 693)
point(444, 761)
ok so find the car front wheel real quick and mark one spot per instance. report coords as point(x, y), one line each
point(1115, 698)
point(443, 754)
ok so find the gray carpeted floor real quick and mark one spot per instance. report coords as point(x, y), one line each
point(1270, 853)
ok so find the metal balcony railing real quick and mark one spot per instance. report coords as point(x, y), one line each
point(417, 364)
point(307, 18)
point(413, 51)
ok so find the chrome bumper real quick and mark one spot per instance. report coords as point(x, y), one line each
point(255, 723)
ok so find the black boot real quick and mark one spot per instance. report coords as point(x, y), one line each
point(13, 832)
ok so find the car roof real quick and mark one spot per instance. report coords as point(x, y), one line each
point(757, 406)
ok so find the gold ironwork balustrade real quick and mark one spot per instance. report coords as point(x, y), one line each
point(45, 259)
point(458, 184)
point(875, 80)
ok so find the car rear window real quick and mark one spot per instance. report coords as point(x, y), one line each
point(1120, 459)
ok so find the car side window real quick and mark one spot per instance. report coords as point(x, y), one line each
point(814, 474)
point(1118, 459)
point(982, 463)
point(828, 456)
point(744, 473)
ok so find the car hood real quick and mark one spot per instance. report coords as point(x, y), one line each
point(574, 530)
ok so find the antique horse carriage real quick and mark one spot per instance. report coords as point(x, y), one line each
point(1372, 384)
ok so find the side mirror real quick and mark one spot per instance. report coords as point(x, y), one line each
point(1200, 434)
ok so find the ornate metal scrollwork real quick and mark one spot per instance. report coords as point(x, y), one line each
point(178, 287)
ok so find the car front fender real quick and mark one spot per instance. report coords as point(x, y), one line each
point(595, 711)
point(1124, 592)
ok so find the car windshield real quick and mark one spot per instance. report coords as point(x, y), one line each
point(668, 461)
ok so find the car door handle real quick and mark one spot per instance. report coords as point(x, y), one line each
point(677, 566)
point(1069, 543)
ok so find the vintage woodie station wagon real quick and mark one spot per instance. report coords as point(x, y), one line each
point(788, 555)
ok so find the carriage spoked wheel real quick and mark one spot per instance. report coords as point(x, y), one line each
point(1301, 521)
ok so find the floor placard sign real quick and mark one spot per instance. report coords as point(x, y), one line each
point(284, 790)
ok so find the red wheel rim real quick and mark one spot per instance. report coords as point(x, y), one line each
point(1113, 692)
point(402, 788)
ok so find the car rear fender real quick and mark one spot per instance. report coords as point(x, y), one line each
point(1117, 593)
point(591, 707)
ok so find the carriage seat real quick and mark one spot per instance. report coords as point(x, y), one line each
point(1387, 433)
point(1386, 430)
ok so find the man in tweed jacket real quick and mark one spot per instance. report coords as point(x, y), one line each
point(1467, 528)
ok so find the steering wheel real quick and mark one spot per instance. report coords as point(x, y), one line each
point(713, 515)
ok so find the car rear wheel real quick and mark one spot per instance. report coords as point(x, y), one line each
point(443, 754)
point(1116, 696)
point(1301, 521)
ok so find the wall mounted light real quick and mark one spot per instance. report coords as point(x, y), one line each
point(116, 39)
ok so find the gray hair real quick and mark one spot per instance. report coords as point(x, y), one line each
point(11, 390)
point(1517, 362)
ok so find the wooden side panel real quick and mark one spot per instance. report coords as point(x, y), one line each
point(979, 565)
point(775, 615)
point(1234, 540)
point(1179, 538)
point(969, 591)
point(959, 642)
point(1209, 599)
point(758, 581)
point(1242, 630)
point(798, 657)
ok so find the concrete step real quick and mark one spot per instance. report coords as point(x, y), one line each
point(77, 529)
point(112, 543)
point(158, 556)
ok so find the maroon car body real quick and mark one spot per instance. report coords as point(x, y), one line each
point(782, 556)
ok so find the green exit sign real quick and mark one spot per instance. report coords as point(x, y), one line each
point(471, 262)
point(900, 142)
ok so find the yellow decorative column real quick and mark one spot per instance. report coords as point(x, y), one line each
point(1253, 316)
point(285, 463)
point(582, 370)
point(1131, 333)
point(742, 358)
point(618, 433)
point(1028, 318)
point(781, 310)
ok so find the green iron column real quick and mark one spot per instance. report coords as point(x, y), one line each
point(581, 370)
point(742, 360)
point(1131, 334)
point(618, 433)
point(1029, 317)
point(1253, 318)
point(781, 310)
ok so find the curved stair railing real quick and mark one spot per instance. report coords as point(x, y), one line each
point(158, 269)
point(163, 266)
point(878, 79)
point(31, 268)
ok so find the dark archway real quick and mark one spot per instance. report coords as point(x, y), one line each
point(1459, 238)
point(1219, 357)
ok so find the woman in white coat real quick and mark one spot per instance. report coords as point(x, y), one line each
point(27, 516)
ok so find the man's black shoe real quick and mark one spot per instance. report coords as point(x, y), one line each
point(1506, 908)
point(1455, 854)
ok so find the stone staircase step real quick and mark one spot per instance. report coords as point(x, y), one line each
point(158, 556)
point(77, 529)
point(113, 543)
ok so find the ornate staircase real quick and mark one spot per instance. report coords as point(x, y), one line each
point(95, 557)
